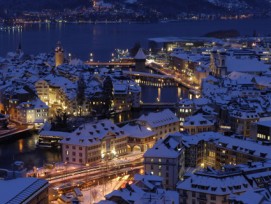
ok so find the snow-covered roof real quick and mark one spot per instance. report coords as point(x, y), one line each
point(138, 130)
point(245, 64)
point(20, 189)
point(144, 187)
point(244, 146)
point(197, 120)
point(34, 104)
point(170, 147)
point(92, 133)
point(156, 119)
point(216, 183)
point(140, 55)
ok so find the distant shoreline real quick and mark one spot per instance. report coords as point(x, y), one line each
point(126, 22)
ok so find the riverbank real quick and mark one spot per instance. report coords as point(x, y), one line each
point(6, 135)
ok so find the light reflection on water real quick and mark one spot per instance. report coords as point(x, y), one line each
point(25, 150)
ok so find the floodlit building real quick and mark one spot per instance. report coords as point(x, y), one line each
point(33, 112)
point(92, 142)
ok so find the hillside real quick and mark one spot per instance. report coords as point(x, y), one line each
point(165, 7)
point(19, 5)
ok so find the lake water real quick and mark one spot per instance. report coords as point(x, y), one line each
point(102, 39)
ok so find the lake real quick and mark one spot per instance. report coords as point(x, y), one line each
point(102, 39)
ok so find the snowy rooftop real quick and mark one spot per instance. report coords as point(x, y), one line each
point(245, 64)
point(20, 189)
point(35, 104)
point(92, 133)
point(138, 130)
point(239, 145)
point(156, 119)
point(266, 123)
point(170, 147)
point(140, 55)
point(217, 183)
point(144, 188)
point(197, 120)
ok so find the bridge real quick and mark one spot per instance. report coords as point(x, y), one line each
point(110, 64)
point(157, 105)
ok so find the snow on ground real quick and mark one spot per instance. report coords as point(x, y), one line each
point(96, 194)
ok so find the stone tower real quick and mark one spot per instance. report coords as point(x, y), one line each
point(140, 60)
point(59, 54)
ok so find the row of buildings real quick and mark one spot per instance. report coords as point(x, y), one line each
point(36, 88)
point(98, 140)
point(210, 167)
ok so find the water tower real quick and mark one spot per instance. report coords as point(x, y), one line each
point(140, 60)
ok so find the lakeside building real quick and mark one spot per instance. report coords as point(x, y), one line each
point(169, 43)
point(24, 190)
point(166, 159)
point(191, 65)
point(145, 189)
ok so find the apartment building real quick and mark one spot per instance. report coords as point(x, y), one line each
point(166, 159)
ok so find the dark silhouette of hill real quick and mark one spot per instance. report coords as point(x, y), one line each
point(19, 5)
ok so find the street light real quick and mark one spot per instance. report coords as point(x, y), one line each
point(91, 57)
point(112, 57)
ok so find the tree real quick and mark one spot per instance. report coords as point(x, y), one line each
point(108, 92)
point(80, 96)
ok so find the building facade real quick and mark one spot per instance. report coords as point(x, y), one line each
point(166, 159)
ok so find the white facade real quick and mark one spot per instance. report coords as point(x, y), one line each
point(34, 112)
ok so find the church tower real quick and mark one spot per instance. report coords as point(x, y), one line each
point(59, 54)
